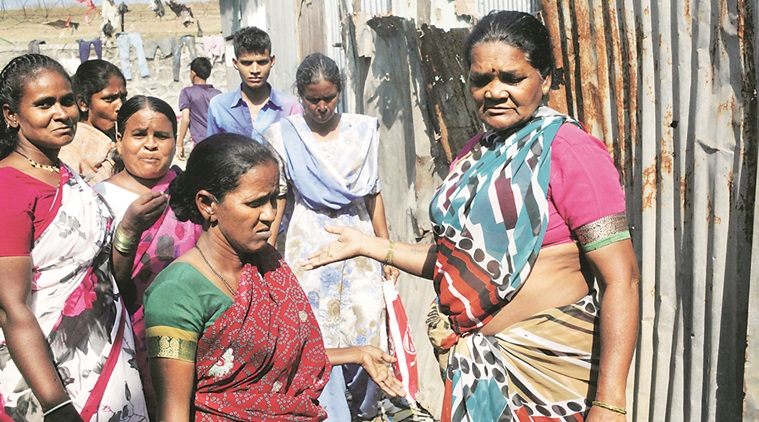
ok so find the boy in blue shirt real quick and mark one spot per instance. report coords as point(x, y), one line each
point(255, 105)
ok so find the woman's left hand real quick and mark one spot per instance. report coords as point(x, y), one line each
point(391, 273)
point(374, 361)
point(599, 414)
point(143, 213)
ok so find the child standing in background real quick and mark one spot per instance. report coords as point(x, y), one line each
point(193, 103)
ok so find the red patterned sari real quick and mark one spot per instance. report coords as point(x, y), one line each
point(263, 359)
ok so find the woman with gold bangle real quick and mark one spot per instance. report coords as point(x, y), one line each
point(149, 236)
point(529, 214)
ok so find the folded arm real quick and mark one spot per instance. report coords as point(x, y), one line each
point(140, 216)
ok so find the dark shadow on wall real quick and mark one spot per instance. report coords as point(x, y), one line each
point(452, 113)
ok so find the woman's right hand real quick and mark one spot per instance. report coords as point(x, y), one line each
point(348, 245)
point(181, 155)
point(143, 213)
point(66, 413)
point(375, 361)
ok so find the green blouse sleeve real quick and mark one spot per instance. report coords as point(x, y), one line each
point(180, 305)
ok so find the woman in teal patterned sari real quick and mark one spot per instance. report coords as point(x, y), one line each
point(530, 213)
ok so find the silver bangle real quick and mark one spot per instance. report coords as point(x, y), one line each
point(56, 407)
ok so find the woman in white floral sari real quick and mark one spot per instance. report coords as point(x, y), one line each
point(66, 347)
point(331, 168)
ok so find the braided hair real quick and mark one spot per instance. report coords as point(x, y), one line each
point(315, 68)
point(13, 79)
point(92, 77)
point(216, 165)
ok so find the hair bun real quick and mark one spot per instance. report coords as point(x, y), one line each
point(180, 200)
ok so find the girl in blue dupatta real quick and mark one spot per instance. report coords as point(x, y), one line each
point(331, 167)
point(530, 213)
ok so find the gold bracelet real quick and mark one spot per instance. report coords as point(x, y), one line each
point(123, 243)
point(608, 406)
point(390, 253)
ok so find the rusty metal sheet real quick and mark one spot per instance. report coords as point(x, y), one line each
point(529, 6)
point(453, 113)
point(671, 88)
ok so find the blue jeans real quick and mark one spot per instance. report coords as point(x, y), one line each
point(176, 51)
point(333, 397)
point(84, 49)
point(124, 40)
point(152, 45)
point(364, 392)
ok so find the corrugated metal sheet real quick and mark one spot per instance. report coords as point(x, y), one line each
point(409, 9)
point(334, 22)
point(528, 6)
point(373, 7)
point(751, 405)
point(671, 88)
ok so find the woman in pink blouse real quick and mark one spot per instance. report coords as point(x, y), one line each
point(529, 214)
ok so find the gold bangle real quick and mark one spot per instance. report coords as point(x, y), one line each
point(123, 243)
point(390, 253)
point(608, 406)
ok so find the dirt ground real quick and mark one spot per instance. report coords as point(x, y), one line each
point(18, 27)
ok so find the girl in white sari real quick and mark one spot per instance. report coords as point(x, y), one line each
point(66, 347)
point(331, 166)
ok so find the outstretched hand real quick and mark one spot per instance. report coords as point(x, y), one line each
point(348, 245)
point(143, 213)
point(374, 361)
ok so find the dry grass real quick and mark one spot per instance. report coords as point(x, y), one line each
point(18, 27)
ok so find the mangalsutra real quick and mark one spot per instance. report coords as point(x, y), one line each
point(202, 255)
point(46, 167)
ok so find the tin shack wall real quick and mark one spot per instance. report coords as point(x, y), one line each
point(671, 88)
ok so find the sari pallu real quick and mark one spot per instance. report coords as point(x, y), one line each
point(159, 246)
point(539, 369)
point(78, 308)
point(489, 220)
point(322, 183)
point(263, 359)
point(166, 240)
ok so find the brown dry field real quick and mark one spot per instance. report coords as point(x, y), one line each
point(18, 27)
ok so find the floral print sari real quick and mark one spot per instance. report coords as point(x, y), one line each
point(80, 312)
